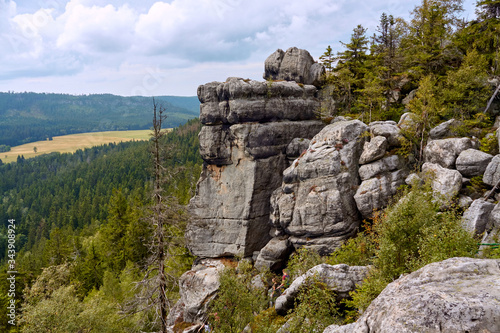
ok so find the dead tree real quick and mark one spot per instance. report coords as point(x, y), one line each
point(166, 218)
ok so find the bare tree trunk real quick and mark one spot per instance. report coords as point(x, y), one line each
point(492, 98)
point(158, 222)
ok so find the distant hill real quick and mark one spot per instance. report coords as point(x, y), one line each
point(29, 117)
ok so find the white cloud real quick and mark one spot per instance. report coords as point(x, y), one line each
point(96, 41)
point(96, 29)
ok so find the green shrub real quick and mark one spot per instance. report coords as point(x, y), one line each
point(409, 235)
point(315, 308)
point(236, 302)
point(489, 144)
point(268, 321)
point(302, 261)
point(358, 251)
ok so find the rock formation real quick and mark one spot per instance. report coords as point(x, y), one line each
point(340, 278)
point(293, 65)
point(197, 287)
point(455, 295)
point(276, 179)
point(315, 205)
point(247, 128)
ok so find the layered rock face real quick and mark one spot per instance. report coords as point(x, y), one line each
point(315, 205)
point(247, 128)
point(455, 295)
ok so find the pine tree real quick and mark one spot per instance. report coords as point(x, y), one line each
point(430, 33)
point(327, 59)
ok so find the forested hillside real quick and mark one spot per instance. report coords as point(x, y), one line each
point(449, 65)
point(83, 212)
point(28, 117)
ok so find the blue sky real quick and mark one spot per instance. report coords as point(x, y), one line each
point(147, 47)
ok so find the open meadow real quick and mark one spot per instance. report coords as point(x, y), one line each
point(71, 143)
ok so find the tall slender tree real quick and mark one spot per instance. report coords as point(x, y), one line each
point(167, 219)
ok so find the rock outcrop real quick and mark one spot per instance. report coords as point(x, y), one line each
point(477, 216)
point(340, 278)
point(315, 205)
point(472, 162)
point(293, 65)
point(445, 183)
point(492, 173)
point(197, 287)
point(445, 151)
point(455, 295)
point(247, 128)
point(492, 228)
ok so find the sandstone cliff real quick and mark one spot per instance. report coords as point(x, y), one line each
point(247, 128)
point(275, 178)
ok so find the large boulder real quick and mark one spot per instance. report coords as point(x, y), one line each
point(373, 150)
point(408, 121)
point(248, 126)
point(375, 193)
point(389, 129)
point(492, 173)
point(476, 217)
point(445, 183)
point(315, 205)
point(293, 65)
point(274, 255)
point(454, 295)
point(472, 162)
point(342, 279)
point(197, 288)
point(444, 130)
point(445, 152)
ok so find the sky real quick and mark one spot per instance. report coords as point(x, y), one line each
point(152, 48)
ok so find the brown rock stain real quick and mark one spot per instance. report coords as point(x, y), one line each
point(215, 172)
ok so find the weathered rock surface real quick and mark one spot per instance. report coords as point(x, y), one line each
point(492, 173)
point(476, 217)
point(315, 205)
point(472, 162)
point(274, 255)
point(492, 229)
point(375, 193)
point(445, 183)
point(444, 130)
point(238, 101)
point(293, 65)
point(248, 126)
point(445, 152)
point(297, 147)
point(373, 150)
point(454, 295)
point(340, 278)
point(389, 163)
point(413, 179)
point(197, 288)
point(389, 129)
point(408, 121)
